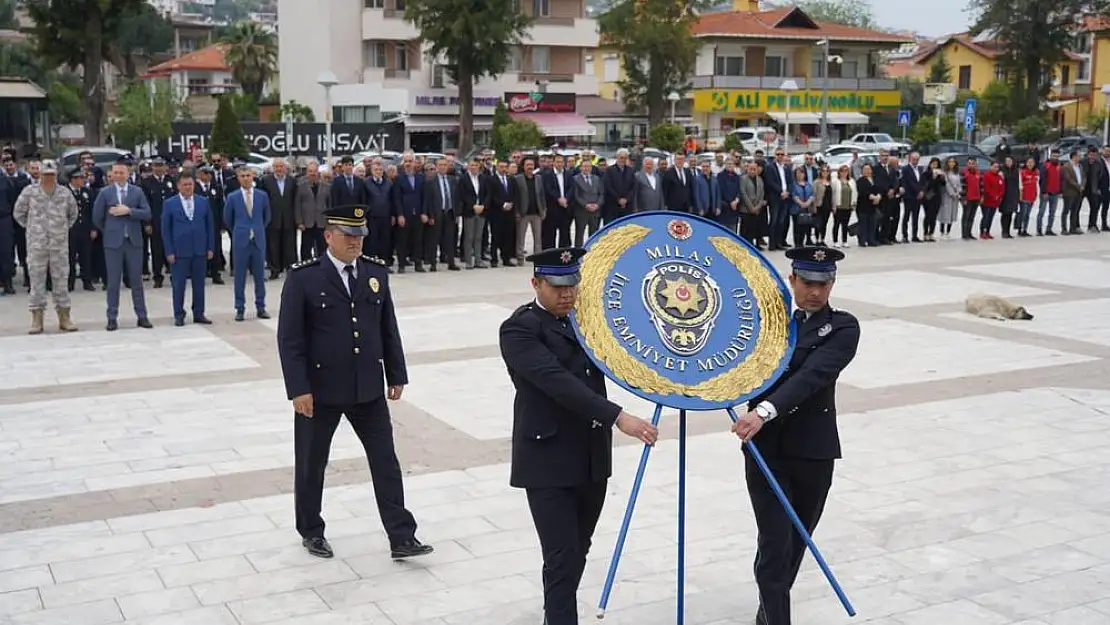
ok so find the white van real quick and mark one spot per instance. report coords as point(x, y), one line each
point(757, 138)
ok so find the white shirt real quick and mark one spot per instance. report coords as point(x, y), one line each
point(559, 178)
point(121, 192)
point(187, 204)
point(651, 179)
point(281, 184)
point(782, 176)
point(474, 183)
point(341, 267)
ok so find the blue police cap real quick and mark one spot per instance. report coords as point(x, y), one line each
point(350, 218)
point(558, 266)
point(814, 263)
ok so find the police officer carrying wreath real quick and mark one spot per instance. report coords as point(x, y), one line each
point(562, 428)
point(337, 331)
point(794, 425)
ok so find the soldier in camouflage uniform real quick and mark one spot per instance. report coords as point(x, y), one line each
point(47, 211)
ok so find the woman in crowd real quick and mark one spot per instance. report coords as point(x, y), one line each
point(934, 194)
point(801, 192)
point(1029, 184)
point(869, 196)
point(950, 199)
point(844, 198)
point(994, 191)
point(822, 199)
point(1010, 198)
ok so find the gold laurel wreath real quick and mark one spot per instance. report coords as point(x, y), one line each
point(753, 372)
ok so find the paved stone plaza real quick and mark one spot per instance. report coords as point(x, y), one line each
point(146, 474)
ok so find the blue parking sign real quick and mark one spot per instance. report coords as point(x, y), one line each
point(904, 119)
point(970, 107)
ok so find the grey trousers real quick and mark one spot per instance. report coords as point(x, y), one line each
point(536, 224)
point(473, 228)
point(127, 259)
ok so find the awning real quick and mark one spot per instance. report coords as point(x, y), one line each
point(561, 124)
point(1055, 104)
point(20, 89)
point(836, 119)
point(443, 123)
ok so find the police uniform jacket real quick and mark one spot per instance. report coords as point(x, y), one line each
point(84, 224)
point(158, 191)
point(805, 396)
point(334, 345)
point(562, 421)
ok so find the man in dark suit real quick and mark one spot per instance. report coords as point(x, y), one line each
point(408, 208)
point(346, 188)
point(559, 194)
point(208, 188)
point(281, 233)
point(119, 213)
point(620, 188)
point(330, 374)
point(501, 217)
point(158, 187)
point(888, 176)
point(794, 423)
point(474, 196)
point(247, 213)
point(80, 234)
point(913, 181)
point(589, 197)
point(189, 243)
point(441, 201)
point(562, 440)
point(678, 186)
point(777, 176)
point(379, 211)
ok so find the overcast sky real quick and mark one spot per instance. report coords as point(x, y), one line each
point(927, 17)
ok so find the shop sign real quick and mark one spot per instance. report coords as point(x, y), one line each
point(442, 100)
point(541, 102)
point(307, 139)
point(776, 101)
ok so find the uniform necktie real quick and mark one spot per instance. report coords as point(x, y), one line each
point(800, 316)
point(350, 271)
point(446, 193)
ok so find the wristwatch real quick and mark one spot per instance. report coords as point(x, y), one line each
point(763, 413)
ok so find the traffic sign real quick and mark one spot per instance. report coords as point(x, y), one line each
point(904, 118)
point(961, 115)
point(970, 108)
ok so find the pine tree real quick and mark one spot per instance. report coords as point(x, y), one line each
point(227, 134)
point(940, 71)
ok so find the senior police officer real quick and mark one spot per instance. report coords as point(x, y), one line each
point(47, 212)
point(80, 235)
point(562, 428)
point(337, 331)
point(794, 424)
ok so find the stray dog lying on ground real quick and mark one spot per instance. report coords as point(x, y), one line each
point(995, 307)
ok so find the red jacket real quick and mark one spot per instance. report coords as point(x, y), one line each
point(1053, 185)
point(1030, 181)
point(973, 185)
point(994, 188)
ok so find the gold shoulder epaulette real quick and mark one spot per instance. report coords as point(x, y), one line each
point(315, 260)
point(373, 259)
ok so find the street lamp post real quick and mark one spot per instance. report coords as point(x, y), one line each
point(327, 80)
point(789, 86)
point(824, 43)
point(673, 98)
point(1106, 122)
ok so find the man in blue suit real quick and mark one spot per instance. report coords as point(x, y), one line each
point(119, 213)
point(189, 241)
point(247, 213)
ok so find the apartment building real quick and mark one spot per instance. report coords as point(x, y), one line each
point(385, 73)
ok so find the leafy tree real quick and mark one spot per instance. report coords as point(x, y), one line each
point(851, 12)
point(657, 49)
point(244, 106)
point(476, 39)
point(1035, 36)
point(997, 104)
point(81, 33)
point(732, 143)
point(252, 54)
point(8, 19)
point(227, 134)
point(143, 34)
point(144, 114)
point(669, 137)
point(940, 71)
point(500, 120)
point(519, 133)
point(924, 131)
point(299, 112)
point(1031, 129)
point(64, 98)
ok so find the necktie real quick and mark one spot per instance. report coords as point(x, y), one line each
point(351, 183)
point(248, 198)
point(800, 316)
point(504, 182)
point(350, 271)
point(446, 193)
point(587, 180)
point(189, 209)
point(121, 192)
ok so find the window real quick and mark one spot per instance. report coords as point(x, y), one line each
point(516, 60)
point(400, 4)
point(1065, 76)
point(849, 69)
point(589, 65)
point(374, 4)
point(1083, 71)
point(730, 66)
point(965, 77)
point(818, 70)
point(1083, 44)
point(612, 68)
point(541, 8)
point(541, 59)
point(999, 72)
point(402, 54)
point(374, 54)
point(774, 66)
point(357, 114)
point(198, 85)
point(440, 79)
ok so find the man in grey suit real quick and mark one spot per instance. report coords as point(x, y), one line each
point(589, 194)
point(648, 190)
point(441, 201)
point(281, 235)
point(530, 207)
point(313, 198)
point(119, 213)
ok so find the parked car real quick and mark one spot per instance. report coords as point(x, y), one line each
point(865, 158)
point(757, 138)
point(950, 147)
point(963, 156)
point(103, 156)
point(1067, 145)
point(875, 141)
point(990, 144)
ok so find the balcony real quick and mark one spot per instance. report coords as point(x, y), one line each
point(403, 74)
point(387, 25)
point(1073, 91)
point(563, 31)
point(551, 78)
point(775, 82)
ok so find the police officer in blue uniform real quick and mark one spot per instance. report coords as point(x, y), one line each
point(80, 233)
point(337, 331)
point(794, 425)
point(562, 428)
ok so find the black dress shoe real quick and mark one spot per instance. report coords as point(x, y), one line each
point(143, 322)
point(112, 326)
point(179, 322)
point(452, 267)
point(238, 315)
point(262, 314)
point(157, 283)
point(409, 549)
point(217, 279)
point(420, 268)
point(318, 546)
point(760, 617)
point(202, 320)
point(88, 286)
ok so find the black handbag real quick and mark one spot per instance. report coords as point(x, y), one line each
point(804, 219)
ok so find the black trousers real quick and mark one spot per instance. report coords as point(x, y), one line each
point(281, 248)
point(565, 519)
point(408, 243)
point(502, 226)
point(312, 243)
point(888, 220)
point(218, 262)
point(156, 252)
point(967, 218)
point(555, 230)
point(910, 217)
point(19, 237)
point(1069, 218)
point(380, 241)
point(7, 248)
point(80, 254)
point(752, 226)
point(312, 445)
point(780, 549)
point(440, 238)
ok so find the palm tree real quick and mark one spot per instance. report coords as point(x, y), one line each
point(252, 54)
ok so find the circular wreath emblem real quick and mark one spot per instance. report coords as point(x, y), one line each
point(680, 229)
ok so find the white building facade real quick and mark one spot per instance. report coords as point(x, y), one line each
point(384, 73)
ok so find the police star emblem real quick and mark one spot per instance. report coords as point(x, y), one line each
point(824, 331)
point(374, 284)
point(819, 256)
point(566, 257)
